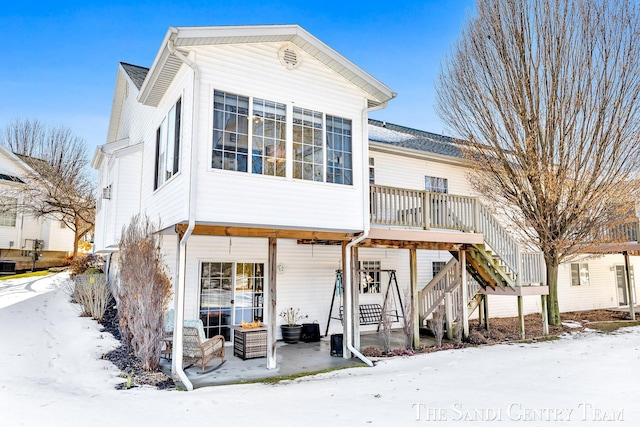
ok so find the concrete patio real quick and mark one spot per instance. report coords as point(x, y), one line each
point(292, 359)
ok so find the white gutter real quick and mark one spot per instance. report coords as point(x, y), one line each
point(176, 357)
point(348, 339)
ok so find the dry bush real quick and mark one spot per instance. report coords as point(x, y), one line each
point(372, 351)
point(476, 338)
point(437, 324)
point(93, 294)
point(82, 263)
point(143, 291)
point(385, 330)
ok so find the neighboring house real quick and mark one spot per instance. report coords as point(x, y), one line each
point(22, 235)
point(253, 148)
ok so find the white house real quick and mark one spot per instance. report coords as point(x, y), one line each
point(253, 147)
point(22, 235)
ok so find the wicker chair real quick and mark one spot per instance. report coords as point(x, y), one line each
point(197, 348)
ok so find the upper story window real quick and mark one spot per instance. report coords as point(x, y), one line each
point(339, 169)
point(322, 144)
point(435, 184)
point(168, 146)
point(308, 149)
point(8, 206)
point(269, 122)
point(230, 131)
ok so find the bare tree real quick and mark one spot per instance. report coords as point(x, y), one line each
point(59, 185)
point(548, 94)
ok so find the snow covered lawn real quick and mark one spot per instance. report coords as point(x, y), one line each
point(51, 373)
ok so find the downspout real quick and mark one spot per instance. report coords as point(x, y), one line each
point(367, 226)
point(176, 357)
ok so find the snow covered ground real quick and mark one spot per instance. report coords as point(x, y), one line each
point(51, 372)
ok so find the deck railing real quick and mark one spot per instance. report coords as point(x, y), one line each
point(428, 210)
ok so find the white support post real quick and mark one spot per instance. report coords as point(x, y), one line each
point(464, 292)
point(521, 317)
point(355, 301)
point(413, 274)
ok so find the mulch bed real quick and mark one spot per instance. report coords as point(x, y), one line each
point(127, 362)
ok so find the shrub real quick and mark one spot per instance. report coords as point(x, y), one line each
point(476, 338)
point(437, 324)
point(93, 294)
point(82, 263)
point(143, 291)
point(93, 270)
point(372, 351)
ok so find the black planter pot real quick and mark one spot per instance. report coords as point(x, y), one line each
point(291, 334)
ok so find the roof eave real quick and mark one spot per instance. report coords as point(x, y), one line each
point(165, 65)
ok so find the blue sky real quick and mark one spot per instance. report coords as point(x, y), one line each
point(60, 59)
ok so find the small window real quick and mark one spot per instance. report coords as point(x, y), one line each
point(436, 185)
point(437, 266)
point(370, 277)
point(8, 207)
point(168, 146)
point(579, 274)
point(372, 171)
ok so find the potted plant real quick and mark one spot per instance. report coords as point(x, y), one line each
point(291, 331)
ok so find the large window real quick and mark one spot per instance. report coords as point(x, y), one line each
point(308, 148)
point(230, 132)
point(168, 146)
point(269, 121)
point(321, 144)
point(579, 274)
point(339, 168)
point(8, 207)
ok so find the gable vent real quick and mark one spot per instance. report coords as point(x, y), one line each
point(289, 57)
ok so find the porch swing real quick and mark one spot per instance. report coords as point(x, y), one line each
point(369, 314)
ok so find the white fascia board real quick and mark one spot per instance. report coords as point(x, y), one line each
point(382, 147)
point(156, 68)
point(198, 36)
point(107, 150)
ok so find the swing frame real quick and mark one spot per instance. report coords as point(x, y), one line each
point(368, 314)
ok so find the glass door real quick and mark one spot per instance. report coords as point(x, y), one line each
point(216, 298)
point(230, 293)
point(621, 283)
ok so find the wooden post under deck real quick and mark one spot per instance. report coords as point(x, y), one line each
point(485, 306)
point(415, 313)
point(272, 319)
point(627, 270)
point(545, 316)
point(520, 317)
point(448, 315)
